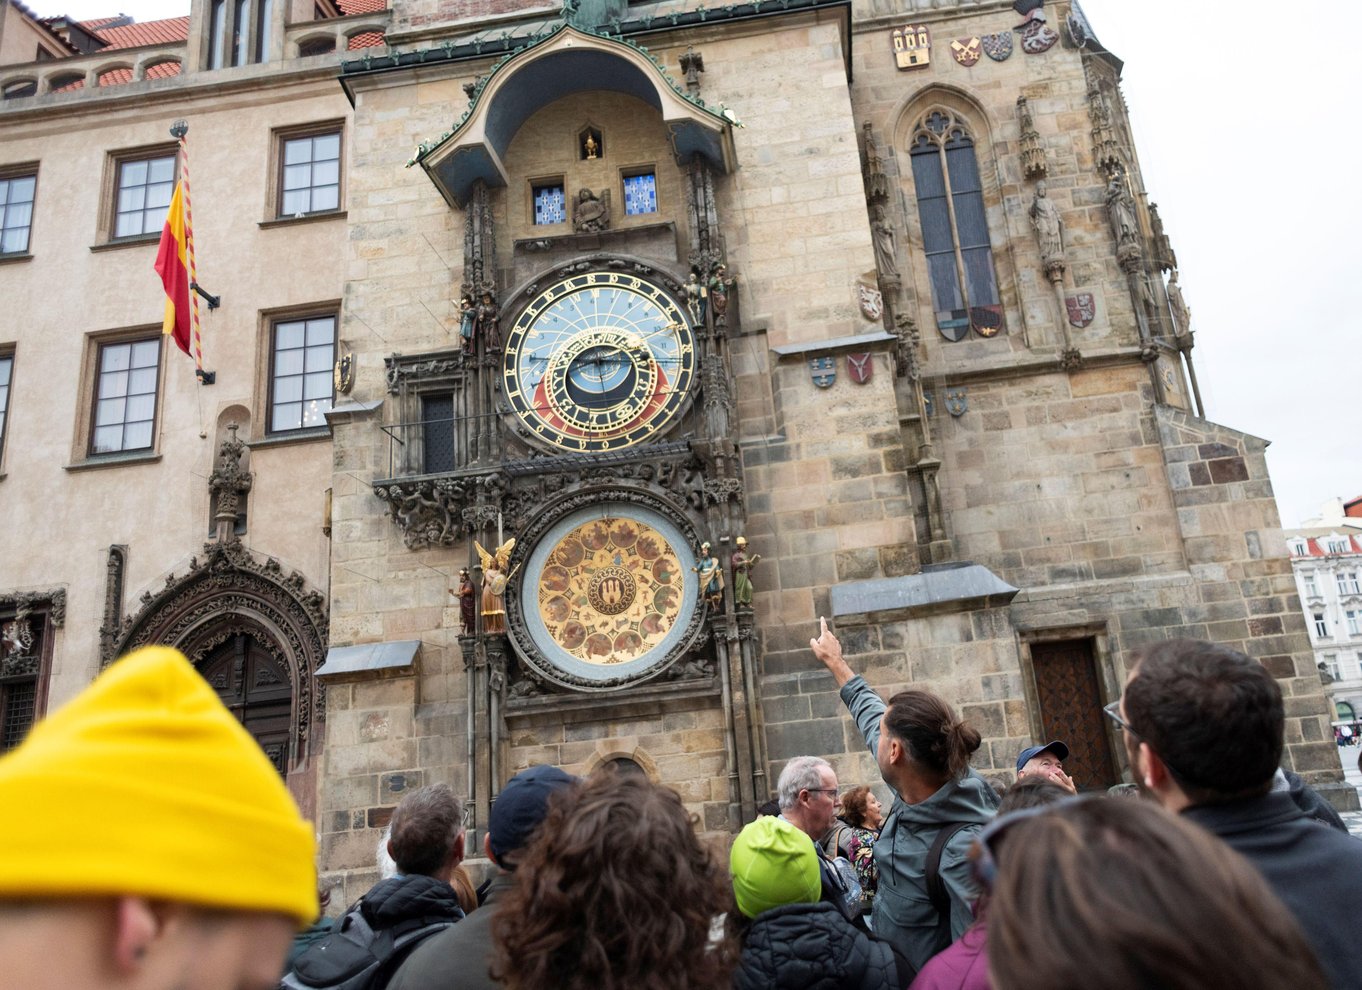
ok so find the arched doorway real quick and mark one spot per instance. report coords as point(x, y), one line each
point(255, 688)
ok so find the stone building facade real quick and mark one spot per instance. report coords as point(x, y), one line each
point(876, 287)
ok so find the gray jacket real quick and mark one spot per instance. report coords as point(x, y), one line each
point(457, 959)
point(903, 913)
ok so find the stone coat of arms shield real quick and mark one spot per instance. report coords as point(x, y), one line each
point(823, 370)
point(997, 46)
point(1082, 308)
point(861, 367)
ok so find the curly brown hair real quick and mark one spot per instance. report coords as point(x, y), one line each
point(854, 807)
point(617, 893)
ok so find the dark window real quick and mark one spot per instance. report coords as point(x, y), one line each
point(16, 212)
point(241, 28)
point(950, 203)
point(142, 195)
point(437, 433)
point(264, 11)
point(217, 35)
point(317, 46)
point(310, 174)
point(125, 396)
point(24, 87)
point(23, 641)
point(6, 371)
point(301, 389)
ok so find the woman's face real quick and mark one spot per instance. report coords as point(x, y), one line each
point(874, 811)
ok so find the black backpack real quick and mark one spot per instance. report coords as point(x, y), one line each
point(356, 957)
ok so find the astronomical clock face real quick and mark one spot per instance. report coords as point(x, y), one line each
point(609, 592)
point(599, 361)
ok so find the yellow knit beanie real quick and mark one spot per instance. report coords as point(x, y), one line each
point(146, 785)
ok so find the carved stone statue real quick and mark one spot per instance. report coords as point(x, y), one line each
point(591, 213)
point(1048, 225)
point(494, 578)
point(467, 603)
point(719, 284)
point(1121, 211)
point(711, 579)
point(1182, 316)
point(468, 318)
point(886, 245)
point(488, 323)
point(742, 573)
point(695, 299)
point(230, 483)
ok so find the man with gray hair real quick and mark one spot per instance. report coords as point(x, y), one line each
point(807, 791)
point(426, 841)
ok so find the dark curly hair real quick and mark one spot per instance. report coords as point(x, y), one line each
point(617, 893)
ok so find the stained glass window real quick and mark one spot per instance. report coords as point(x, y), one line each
point(640, 193)
point(549, 204)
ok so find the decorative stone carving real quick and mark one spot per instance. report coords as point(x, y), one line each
point(1164, 255)
point(1125, 228)
point(1182, 316)
point(1048, 224)
point(692, 64)
point(229, 484)
point(115, 567)
point(1071, 359)
point(1032, 151)
point(886, 245)
point(591, 213)
point(479, 244)
point(706, 240)
point(1106, 150)
point(54, 601)
point(398, 370)
point(228, 592)
point(906, 362)
point(721, 490)
point(16, 637)
point(876, 182)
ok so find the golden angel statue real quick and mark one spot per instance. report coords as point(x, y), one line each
point(494, 578)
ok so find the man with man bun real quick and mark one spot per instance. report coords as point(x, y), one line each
point(148, 843)
point(940, 804)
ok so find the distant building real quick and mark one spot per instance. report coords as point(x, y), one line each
point(1326, 555)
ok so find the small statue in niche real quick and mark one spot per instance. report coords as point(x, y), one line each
point(742, 573)
point(590, 147)
point(591, 213)
point(467, 603)
point(488, 325)
point(695, 299)
point(886, 244)
point(1121, 211)
point(494, 578)
point(719, 284)
point(468, 318)
point(1182, 316)
point(711, 578)
point(1048, 225)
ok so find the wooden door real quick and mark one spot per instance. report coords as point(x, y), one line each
point(1070, 698)
point(255, 688)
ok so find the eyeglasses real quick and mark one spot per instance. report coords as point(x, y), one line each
point(982, 853)
point(822, 790)
point(1113, 712)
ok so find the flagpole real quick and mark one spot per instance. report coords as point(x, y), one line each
point(179, 130)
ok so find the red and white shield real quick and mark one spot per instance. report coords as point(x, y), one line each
point(1082, 308)
point(861, 367)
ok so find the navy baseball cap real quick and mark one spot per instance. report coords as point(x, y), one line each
point(521, 806)
point(1031, 752)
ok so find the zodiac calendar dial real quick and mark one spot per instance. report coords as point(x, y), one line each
point(599, 361)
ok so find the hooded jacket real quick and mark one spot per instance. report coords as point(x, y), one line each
point(903, 912)
point(813, 947)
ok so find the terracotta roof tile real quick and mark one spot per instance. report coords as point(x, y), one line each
point(97, 22)
point(115, 77)
point(163, 70)
point(149, 33)
point(348, 7)
point(365, 39)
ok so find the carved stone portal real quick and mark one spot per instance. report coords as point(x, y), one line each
point(229, 592)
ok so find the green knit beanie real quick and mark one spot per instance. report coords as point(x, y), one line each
point(773, 863)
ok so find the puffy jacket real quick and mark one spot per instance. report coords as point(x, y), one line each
point(813, 947)
point(903, 913)
point(962, 965)
point(397, 899)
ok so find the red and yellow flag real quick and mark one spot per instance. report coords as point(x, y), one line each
point(172, 264)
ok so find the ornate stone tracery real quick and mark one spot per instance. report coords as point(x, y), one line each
point(228, 592)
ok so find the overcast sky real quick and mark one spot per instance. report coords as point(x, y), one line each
point(1246, 132)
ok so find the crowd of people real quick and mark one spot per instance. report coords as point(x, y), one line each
point(1229, 873)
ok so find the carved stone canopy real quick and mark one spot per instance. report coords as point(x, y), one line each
point(567, 62)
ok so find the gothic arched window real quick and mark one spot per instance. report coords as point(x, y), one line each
point(950, 203)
